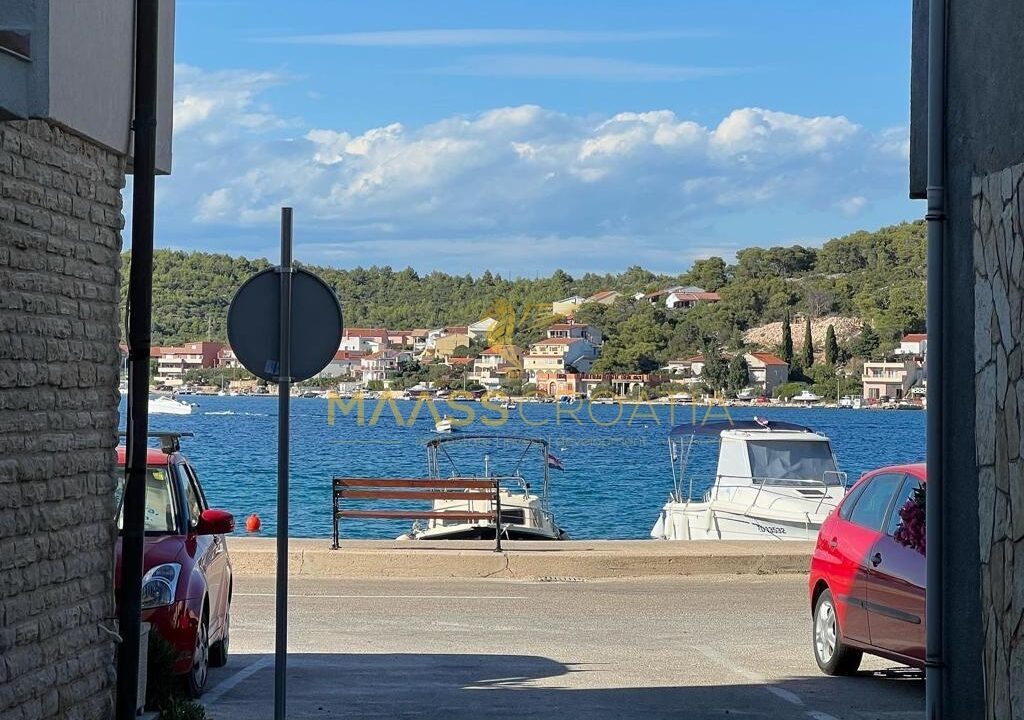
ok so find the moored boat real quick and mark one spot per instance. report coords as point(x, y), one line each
point(513, 461)
point(774, 480)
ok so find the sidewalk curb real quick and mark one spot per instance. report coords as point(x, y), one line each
point(256, 557)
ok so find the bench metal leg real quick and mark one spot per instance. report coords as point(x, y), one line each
point(497, 517)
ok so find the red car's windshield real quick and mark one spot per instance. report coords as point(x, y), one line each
point(161, 509)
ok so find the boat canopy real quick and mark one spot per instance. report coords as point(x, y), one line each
point(715, 429)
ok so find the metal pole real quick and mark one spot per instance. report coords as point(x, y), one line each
point(936, 217)
point(284, 387)
point(140, 311)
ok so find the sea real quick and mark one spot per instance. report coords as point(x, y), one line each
point(617, 471)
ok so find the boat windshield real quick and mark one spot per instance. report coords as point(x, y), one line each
point(780, 462)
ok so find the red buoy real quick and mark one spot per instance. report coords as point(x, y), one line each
point(252, 523)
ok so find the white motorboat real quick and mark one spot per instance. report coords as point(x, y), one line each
point(525, 514)
point(444, 426)
point(845, 402)
point(166, 405)
point(806, 396)
point(774, 481)
point(747, 393)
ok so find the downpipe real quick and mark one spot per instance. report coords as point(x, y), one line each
point(936, 219)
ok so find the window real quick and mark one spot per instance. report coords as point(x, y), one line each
point(906, 491)
point(873, 504)
point(779, 462)
point(161, 515)
point(192, 495)
point(851, 500)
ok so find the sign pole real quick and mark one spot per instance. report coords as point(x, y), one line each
point(284, 385)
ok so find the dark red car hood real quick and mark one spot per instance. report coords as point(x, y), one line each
point(159, 549)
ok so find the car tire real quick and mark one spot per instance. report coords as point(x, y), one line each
point(833, 656)
point(219, 650)
point(195, 679)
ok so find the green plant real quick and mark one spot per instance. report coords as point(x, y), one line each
point(164, 690)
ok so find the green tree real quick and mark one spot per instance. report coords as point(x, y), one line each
point(865, 343)
point(787, 339)
point(709, 274)
point(808, 349)
point(737, 374)
point(831, 346)
point(714, 376)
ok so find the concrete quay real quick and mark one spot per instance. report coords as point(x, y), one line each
point(522, 560)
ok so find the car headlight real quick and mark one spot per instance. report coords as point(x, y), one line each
point(158, 585)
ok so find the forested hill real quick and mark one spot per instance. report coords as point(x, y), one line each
point(877, 276)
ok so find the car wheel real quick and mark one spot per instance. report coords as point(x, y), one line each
point(834, 657)
point(219, 650)
point(195, 681)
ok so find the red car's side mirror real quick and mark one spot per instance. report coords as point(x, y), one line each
point(215, 522)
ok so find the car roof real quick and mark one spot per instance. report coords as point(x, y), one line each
point(915, 469)
point(154, 456)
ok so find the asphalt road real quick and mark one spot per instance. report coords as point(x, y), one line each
point(694, 647)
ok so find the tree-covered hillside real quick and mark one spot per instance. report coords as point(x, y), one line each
point(878, 276)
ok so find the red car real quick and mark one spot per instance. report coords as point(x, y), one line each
point(187, 583)
point(867, 576)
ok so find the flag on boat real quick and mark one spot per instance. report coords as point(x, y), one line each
point(555, 463)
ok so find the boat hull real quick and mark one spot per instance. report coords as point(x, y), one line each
point(705, 521)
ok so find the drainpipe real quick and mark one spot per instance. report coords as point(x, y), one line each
point(139, 312)
point(936, 218)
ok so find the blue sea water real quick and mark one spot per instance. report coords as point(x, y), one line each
point(617, 471)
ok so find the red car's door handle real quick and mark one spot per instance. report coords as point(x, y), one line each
point(876, 559)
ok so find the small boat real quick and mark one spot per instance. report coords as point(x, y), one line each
point(444, 425)
point(166, 405)
point(512, 460)
point(509, 404)
point(746, 393)
point(857, 403)
point(774, 481)
point(806, 396)
point(846, 402)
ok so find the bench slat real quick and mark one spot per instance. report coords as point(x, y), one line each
point(468, 483)
point(413, 495)
point(415, 515)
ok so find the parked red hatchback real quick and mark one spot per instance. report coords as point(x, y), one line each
point(868, 573)
point(186, 586)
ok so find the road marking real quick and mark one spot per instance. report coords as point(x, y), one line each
point(227, 685)
point(392, 597)
point(758, 679)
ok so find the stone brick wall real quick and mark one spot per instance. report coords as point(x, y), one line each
point(998, 211)
point(60, 222)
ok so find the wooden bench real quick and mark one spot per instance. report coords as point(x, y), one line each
point(371, 489)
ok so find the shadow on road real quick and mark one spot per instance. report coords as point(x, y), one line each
point(454, 686)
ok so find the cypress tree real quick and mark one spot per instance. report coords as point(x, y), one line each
point(831, 346)
point(808, 354)
point(787, 339)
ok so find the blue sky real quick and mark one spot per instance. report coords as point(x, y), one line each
point(527, 136)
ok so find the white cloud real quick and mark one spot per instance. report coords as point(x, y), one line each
point(574, 67)
point(475, 37)
point(852, 205)
point(637, 184)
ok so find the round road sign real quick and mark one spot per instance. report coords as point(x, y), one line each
point(254, 321)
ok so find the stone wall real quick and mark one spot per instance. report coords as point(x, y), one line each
point(998, 210)
point(60, 222)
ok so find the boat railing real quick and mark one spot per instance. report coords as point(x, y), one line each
point(773, 486)
point(521, 483)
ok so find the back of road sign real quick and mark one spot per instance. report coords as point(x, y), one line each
point(254, 321)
